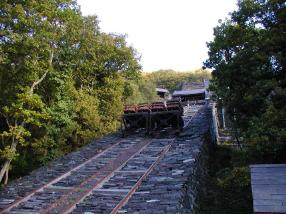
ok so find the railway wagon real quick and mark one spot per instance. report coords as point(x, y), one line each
point(135, 117)
point(152, 117)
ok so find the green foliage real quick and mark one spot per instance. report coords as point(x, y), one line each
point(29, 110)
point(172, 80)
point(62, 80)
point(87, 117)
point(228, 187)
point(141, 91)
point(7, 153)
point(234, 194)
point(111, 105)
point(144, 90)
point(248, 58)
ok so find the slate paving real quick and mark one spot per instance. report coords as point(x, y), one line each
point(162, 191)
point(105, 198)
point(268, 182)
point(164, 164)
point(20, 187)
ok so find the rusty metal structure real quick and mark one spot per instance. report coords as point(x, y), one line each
point(152, 117)
point(135, 117)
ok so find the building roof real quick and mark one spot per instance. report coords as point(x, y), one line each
point(268, 183)
point(163, 90)
point(189, 92)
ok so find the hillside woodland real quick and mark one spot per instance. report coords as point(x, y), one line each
point(173, 80)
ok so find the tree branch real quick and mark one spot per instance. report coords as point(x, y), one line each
point(44, 75)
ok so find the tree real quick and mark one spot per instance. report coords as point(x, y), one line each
point(140, 91)
point(61, 80)
point(248, 58)
point(105, 64)
point(172, 80)
point(31, 32)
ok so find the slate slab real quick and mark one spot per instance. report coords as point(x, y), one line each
point(268, 183)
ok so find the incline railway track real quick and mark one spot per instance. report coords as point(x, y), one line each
point(63, 193)
point(103, 183)
point(57, 179)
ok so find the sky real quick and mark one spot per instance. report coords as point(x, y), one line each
point(168, 34)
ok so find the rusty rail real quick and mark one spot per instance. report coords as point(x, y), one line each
point(139, 182)
point(68, 173)
point(67, 202)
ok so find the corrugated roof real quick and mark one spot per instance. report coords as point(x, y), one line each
point(268, 182)
point(189, 92)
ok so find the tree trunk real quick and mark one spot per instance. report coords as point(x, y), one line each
point(4, 170)
point(6, 176)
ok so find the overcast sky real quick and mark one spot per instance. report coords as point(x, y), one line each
point(168, 34)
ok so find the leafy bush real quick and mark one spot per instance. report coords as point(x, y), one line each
point(228, 190)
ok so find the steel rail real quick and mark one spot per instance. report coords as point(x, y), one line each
point(55, 180)
point(139, 182)
point(69, 201)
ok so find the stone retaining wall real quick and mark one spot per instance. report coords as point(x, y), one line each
point(198, 177)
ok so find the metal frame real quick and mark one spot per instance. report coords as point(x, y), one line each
point(133, 121)
point(151, 121)
point(164, 119)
